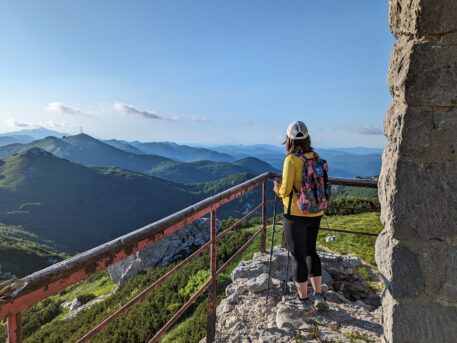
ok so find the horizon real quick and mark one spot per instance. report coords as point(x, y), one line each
point(232, 73)
point(197, 145)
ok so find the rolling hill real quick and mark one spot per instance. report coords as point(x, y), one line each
point(6, 140)
point(206, 171)
point(78, 207)
point(32, 134)
point(255, 166)
point(22, 253)
point(182, 153)
point(87, 150)
point(125, 146)
point(343, 162)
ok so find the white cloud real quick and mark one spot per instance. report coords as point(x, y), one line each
point(61, 124)
point(16, 124)
point(58, 107)
point(368, 129)
point(49, 124)
point(130, 109)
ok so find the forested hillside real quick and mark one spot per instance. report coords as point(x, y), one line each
point(77, 207)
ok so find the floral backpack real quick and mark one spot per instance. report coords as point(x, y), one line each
point(315, 191)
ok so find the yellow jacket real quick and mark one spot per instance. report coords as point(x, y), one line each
point(292, 176)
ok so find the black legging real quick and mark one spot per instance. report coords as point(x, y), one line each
point(301, 234)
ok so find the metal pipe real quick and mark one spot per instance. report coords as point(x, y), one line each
point(14, 323)
point(263, 237)
point(211, 318)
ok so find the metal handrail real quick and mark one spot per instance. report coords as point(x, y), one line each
point(20, 294)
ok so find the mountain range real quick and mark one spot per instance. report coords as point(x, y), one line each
point(86, 150)
point(64, 193)
point(343, 162)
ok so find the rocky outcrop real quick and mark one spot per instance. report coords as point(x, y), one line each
point(244, 316)
point(416, 252)
point(164, 251)
point(76, 306)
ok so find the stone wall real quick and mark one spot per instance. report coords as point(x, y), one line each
point(417, 251)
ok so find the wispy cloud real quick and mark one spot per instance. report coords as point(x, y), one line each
point(59, 124)
point(367, 129)
point(49, 124)
point(14, 123)
point(58, 107)
point(130, 109)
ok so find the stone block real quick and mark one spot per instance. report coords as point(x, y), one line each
point(420, 71)
point(400, 267)
point(418, 199)
point(449, 292)
point(422, 134)
point(422, 17)
point(423, 323)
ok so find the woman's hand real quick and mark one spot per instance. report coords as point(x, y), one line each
point(277, 185)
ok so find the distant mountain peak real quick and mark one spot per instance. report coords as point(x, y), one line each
point(36, 152)
point(37, 133)
point(82, 136)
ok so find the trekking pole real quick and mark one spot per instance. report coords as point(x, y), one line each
point(271, 247)
point(285, 291)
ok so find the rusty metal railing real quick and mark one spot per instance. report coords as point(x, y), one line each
point(21, 294)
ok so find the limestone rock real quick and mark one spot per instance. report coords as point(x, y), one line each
point(258, 284)
point(425, 17)
point(164, 251)
point(74, 305)
point(244, 316)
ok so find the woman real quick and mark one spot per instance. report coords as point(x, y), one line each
point(300, 230)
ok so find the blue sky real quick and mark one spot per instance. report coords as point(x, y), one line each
point(201, 72)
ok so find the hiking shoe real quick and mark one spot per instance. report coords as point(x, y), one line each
point(302, 304)
point(318, 300)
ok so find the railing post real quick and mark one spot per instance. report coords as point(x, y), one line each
point(263, 236)
point(211, 320)
point(15, 328)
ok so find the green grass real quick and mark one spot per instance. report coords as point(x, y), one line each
point(22, 253)
point(357, 337)
point(346, 243)
point(97, 285)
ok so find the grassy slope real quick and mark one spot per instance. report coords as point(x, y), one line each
point(345, 243)
point(358, 192)
point(21, 253)
point(79, 207)
point(193, 172)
